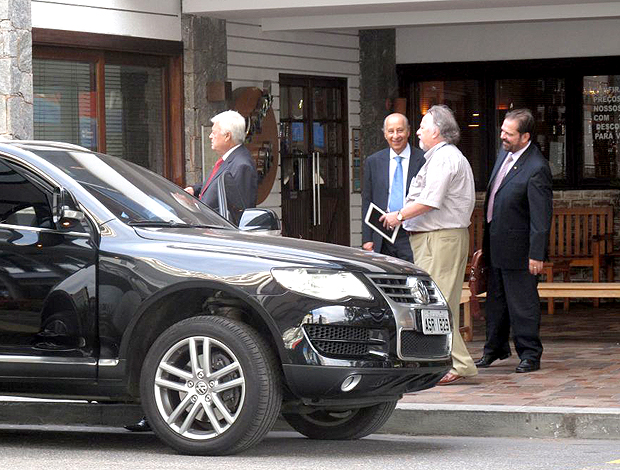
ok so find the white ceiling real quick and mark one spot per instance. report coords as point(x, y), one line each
point(336, 14)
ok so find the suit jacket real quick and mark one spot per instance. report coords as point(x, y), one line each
point(376, 186)
point(522, 212)
point(240, 168)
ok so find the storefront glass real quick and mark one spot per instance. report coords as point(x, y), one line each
point(465, 98)
point(131, 126)
point(545, 97)
point(601, 126)
point(134, 115)
point(64, 102)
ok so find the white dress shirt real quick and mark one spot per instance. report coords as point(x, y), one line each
point(406, 154)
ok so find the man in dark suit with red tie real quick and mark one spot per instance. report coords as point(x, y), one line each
point(518, 211)
point(235, 165)
point(381, 169)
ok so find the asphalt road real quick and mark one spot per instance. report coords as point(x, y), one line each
point(59, 448)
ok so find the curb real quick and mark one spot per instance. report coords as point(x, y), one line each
point(504, 421)
point(408, 419)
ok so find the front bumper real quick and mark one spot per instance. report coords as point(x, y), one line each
point(368, 350)
point(323, 385)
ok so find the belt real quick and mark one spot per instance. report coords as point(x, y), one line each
point(412, 233)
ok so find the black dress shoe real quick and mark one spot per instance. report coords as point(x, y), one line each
point(527, 365)
point(140, 426)
point(488, 359)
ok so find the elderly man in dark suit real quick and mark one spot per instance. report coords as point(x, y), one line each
point(237, 167)
point(518, 211)
point(400, 163)
point(235, 164)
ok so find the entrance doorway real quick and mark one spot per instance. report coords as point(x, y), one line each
point(314, 153)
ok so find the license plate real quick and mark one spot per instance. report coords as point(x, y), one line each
point(435, 322)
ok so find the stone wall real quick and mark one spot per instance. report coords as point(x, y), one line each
point(16, 98)
point(204, 61)
point(378, 85)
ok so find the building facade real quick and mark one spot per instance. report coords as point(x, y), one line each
point(140, 80)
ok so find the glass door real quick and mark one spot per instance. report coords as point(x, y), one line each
point(313, 139)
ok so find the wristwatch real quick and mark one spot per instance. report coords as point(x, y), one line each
point(399, 216)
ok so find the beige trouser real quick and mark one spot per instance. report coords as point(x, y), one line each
point(443, 254)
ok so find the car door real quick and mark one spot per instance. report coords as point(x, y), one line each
point(47, 283)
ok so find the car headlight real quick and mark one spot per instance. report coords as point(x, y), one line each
point(329, 285)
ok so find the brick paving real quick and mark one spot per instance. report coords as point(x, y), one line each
point(580, 366)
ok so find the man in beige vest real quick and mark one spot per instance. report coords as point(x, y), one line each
point(437, 215)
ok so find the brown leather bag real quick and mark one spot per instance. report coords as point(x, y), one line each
point(477, 281)
point(478, 274)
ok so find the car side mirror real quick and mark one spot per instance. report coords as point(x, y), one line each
point(66, 212)
point(260, 220)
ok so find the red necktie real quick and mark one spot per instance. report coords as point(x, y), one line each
point(216, 167)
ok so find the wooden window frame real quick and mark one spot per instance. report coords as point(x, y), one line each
point(101, 49)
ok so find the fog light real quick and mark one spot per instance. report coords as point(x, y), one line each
point(350, 383)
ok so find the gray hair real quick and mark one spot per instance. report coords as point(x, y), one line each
point(443, 119)
point(233, 122)
point(395, 114)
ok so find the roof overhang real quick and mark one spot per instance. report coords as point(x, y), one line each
point(282, 15)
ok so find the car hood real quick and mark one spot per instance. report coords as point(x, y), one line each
point(282, 251)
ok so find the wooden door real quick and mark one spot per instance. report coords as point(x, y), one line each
point(314, 153)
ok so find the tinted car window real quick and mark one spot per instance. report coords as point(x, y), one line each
point(133, 194)
point(23, 201)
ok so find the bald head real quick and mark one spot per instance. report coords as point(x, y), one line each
point(396, 131)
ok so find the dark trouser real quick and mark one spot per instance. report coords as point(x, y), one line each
point(513, 303)
point(401, 247)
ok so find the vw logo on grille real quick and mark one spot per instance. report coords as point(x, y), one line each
point(418, 290)
point(201, 388)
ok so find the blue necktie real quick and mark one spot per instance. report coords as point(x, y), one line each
point(396, 195)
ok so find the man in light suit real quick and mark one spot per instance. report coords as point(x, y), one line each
point(518, 211)
point(379, 171)
point(235, 164)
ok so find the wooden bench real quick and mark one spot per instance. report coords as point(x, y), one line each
point(548, 290)
point(584, 236)
point(579, 237)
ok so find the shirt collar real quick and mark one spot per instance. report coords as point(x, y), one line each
point(518, 153)
point(406, 153)
point(434, 148)
point(227, 154)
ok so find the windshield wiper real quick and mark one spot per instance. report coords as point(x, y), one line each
point(158, 223)
point(162, 223)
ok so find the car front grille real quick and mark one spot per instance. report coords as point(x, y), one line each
point(395, 287)
point(342, 341)
point(414, 344)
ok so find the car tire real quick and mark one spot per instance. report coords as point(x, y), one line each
point(199, 410)
point(349, 424)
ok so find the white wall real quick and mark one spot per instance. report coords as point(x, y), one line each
point(254, 56)
point(507, 41)
point(154, 19)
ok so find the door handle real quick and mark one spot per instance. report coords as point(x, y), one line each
point(318, 186)
point(313, 188)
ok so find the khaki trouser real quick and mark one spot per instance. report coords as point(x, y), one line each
point(443, 254)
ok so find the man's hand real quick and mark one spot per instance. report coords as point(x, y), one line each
point(189, 190)
point(368, 246)
point(535, 266)
point(389, 220)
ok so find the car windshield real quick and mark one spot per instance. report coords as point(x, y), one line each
point(134, 194)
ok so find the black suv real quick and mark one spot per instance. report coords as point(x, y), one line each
point(116, 285)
